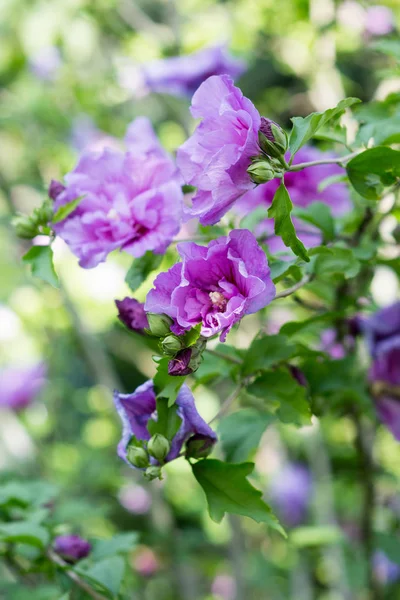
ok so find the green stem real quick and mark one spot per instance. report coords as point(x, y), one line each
point(231, 359)
point(326, 161)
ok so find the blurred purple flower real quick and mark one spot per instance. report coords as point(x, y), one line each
point(385, 570)
point(181, 75)
point(135, 498)
point(215, 285)
point(382, 332)
point(291, 491)
point(131, 313)
point(72, 547)
point(224, 587)
point(379, 20)
point(138, 408)
point(85, 135)
point(329, 344)
point(19, 386)
point(45, 63)
point(145, 562)
point(303, 188)
point(131, 201)
point(216, 157)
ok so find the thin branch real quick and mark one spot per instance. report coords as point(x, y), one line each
point(294, 288)
point(74, 576)
point(228, 402)
point(326, 161)
point(231, 359)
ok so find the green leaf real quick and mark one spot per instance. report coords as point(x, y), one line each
point(332, 134)
point(266, 351)
point(167, 386)
point(285, 268)
point(391, 47)
point(24, 532)
point(141, 269)
point(390, 544)
point(108, 573)
point(64, 211)
point(373, 170)
point(191, 336)
point(332, 261)
point(298, 326)
point(120, 543)
point(318, 214)
point(240, 433)
point(168, 421)
point(328, 181)
point(283, 394)
point(228, 491)
point(41, 260)
point(280, 211)
point(255, 216)
point(305, 128)
point(316, 535)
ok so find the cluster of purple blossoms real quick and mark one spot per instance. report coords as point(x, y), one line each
point(19, 386)
point(138, 410)
point(130, 200)
point(382, 332)
point(304, 188)
point(181, 75)
point(215, 285)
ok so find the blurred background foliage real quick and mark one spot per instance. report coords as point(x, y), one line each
point(61, 73)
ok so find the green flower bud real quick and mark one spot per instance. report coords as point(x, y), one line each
point(24, 227)
point(153, 473)
point(260, 171)
point(273, 140)
point(158, 446)
point(137, 456)
point(45, 213)
point(171, 345)
point(159, 325)
point(199, 446)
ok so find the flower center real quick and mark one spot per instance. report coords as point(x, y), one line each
point(218, 300)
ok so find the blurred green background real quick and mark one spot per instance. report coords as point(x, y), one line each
point(61, 74)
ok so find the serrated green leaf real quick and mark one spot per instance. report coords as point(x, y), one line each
point(240, 433)
point(141, 268)
point(24, 532)
point(64, 211)
point(305, 128)
point(41, 260)
point(228, 491)
point(285, 268)
point(119, 544)
point(267, 351)
point(281, 392)
point(280, 210)
point(371, 171)
point(318, 214)
point(331, 261)
point(107, 573)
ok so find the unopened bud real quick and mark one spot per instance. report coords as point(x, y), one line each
point(44, 213)
point(260, 171)
point(24, 227)
point(199, 446)
point(171, 345)
point(137, 456)
point(153, 473)
point(55, 189)
point(179, 366)
point(158, 446)
point(273, 140)
point(159, 325)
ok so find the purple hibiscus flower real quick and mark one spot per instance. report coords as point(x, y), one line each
point(215, 285)
point(138, 408)
point(72, 547)
point(131, 314)
point(181, 75)
point(19, 386)
point(131, 201)
point(291, 491)
point(216, 157)
point(379, 20)
point(303, 188)
point(382, 332)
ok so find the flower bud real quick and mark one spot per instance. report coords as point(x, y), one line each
point(158, 446)
point(153, 473)
point(131, 314)
point(24, 227)
point(137, 456)
point(260, 171)
point(199, 446)
point(273, 140)
point(159, 325)
point(171, 345)
point(55, 189)
point(179, 365)
point(45, 213)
